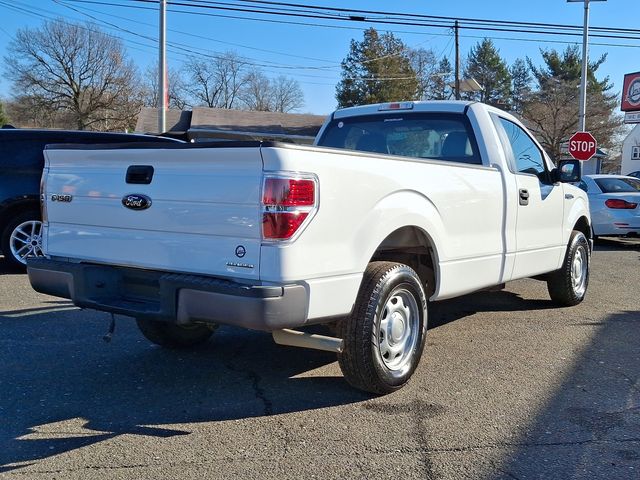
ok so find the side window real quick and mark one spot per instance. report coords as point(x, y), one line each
point(583, 186)
point(528, 158)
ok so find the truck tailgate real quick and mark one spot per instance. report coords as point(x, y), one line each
point(204, 214)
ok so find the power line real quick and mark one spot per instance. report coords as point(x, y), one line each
point(344, 27)
point(449, 19)
point(215, 40)
point(273, 65)
point(467, 23)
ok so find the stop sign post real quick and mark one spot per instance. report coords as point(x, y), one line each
point(582, 146)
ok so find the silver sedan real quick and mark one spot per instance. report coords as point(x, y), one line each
point(614, 203)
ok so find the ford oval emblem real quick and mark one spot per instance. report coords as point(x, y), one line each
point(136, 201)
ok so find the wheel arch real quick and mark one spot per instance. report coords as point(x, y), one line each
point(584, 225)
point(577, 218)
point(413, 246)
point(15, 206)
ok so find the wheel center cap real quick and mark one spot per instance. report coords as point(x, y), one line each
point(397, 327)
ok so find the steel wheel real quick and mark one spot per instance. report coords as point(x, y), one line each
point(398, 329)
point(385, 334)
point(26, 241)
point(568, 285)
point(579, 269)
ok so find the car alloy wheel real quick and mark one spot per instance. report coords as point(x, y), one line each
point(26, 241)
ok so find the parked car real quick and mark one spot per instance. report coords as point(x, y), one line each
point(635, 174)
point(21, 164)
point(613, 200)
point(395, 204)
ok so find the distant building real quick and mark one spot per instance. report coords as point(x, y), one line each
point(205, 124)
point(631, 151)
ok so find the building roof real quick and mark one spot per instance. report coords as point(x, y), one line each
point(177, 120)
point(225, 123)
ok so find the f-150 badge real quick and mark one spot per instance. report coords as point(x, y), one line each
point(136, 201)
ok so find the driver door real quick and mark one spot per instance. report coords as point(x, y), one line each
point(540, 209)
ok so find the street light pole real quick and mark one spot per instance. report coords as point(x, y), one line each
point(585, 61)
point(582, 117)
point(162, 69)
point(457, 84)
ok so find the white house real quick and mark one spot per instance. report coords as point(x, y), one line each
point(631, 151)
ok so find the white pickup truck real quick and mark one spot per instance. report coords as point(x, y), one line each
point(395, 204)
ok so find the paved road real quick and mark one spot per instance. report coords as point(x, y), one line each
point(509, 388)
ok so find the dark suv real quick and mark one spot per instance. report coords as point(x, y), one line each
point(21, 164)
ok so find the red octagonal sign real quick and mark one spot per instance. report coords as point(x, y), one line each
point(582, 146)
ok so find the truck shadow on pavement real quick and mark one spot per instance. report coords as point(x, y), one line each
point(590, 426)
point(63, 388)
point(443, 312)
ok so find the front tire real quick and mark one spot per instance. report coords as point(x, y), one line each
point(385, 334)
point(568, 285)
point(174, 336)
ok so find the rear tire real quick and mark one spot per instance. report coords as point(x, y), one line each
point(568, 285)
point(171, 335)
point(385, 334)
point(22, 239)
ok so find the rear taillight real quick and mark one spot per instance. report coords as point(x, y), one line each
point(620, 204)
point(286, 203)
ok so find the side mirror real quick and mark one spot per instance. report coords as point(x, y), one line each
point(568, 171)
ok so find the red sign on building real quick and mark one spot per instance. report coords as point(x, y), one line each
point(631, 92)
point(582, 146)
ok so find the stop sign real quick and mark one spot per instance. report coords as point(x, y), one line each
point(582, 146)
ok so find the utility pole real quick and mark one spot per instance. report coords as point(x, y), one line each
point(582, 116)
point(585, 61)
point(162, 70)
point(455, 28)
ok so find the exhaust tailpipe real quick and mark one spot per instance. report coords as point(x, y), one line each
point(294, 338)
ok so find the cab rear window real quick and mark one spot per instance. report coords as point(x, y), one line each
point(445, 137)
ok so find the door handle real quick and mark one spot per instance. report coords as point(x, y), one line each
point(524, 196)
point(568, 196)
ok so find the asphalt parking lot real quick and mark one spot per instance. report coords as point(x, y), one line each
point(509, 388)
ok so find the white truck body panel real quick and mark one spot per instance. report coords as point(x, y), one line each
point(444, 200)
point(207, 203)
point(203, 207)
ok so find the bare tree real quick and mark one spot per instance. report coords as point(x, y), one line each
point(217, 82)
point(286, 94)
point(176, 84)
point(256, 93)
point(76, 69)
point(549, 114)
point(281, 94)
point(28, 111)
point(425, 64)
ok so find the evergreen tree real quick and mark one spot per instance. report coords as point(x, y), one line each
point(377, 69)
point(485, 65)
point(520, 85)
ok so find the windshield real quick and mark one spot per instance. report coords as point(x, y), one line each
point(622, 185)
point(422, 135)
